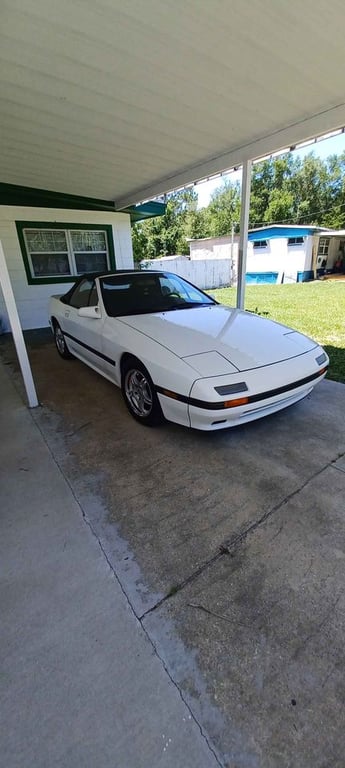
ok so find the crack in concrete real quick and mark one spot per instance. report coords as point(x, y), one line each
point(230, 620)
point(139, 619)
point(79, 429)
point(227, 548)
point(239, 538)
point(183, 583)
point(339, 469)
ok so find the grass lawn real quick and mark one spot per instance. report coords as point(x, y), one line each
point(316, 309)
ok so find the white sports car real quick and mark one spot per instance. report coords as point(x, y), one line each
point(176, 353)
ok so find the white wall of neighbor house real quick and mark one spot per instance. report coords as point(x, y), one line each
point(32, 300)
point(278, 256)
point(205, 273)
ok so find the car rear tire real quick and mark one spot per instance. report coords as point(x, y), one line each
point(139, 393)
point(60, 342)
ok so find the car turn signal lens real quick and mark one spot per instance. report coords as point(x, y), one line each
point(168, 393)
point(236, 403)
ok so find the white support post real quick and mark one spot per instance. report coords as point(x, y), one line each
point(243, 242)
point(17, 332)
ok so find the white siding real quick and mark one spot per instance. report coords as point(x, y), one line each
point(280, 257)
point(32, 300)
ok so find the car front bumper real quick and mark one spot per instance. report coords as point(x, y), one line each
point(268, 389)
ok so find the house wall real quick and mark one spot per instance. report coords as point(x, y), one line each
point(277, 256)
point(280, 257)
point(204, 273)
point(32, 300)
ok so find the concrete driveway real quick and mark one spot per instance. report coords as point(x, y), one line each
point(231, 549)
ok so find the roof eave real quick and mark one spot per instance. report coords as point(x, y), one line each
point(31, 197)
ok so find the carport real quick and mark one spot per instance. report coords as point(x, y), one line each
point(125, 102)
point(228, 550)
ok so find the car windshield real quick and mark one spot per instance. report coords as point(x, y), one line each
point(135, 294)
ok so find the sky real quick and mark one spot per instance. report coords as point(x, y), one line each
point(323, 148)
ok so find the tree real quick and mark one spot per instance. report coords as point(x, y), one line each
point(271, 196)
point(167, 235)
point(223, 212)
point(334, 217)
point(311, 190)
point(280, 207)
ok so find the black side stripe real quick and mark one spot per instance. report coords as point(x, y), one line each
point(91, 349)
point(251, 398)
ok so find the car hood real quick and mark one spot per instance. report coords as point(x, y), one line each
point(244, 339)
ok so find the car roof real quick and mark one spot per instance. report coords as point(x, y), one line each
point(129, 272)
point(109, 273)
point(115, 272)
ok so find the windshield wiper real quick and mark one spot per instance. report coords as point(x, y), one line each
point(189, 305)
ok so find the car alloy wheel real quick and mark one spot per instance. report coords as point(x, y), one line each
point(139, 393)
point(60, 342)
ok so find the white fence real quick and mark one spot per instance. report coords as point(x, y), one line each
point(205, 273)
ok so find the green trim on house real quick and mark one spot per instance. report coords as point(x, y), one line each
point(21, 225)
point(13, 194)
point(148, 210)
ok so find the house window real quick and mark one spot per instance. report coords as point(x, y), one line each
point(260, 244)
point(323, 246)
point(295, 240)
point(57, 253)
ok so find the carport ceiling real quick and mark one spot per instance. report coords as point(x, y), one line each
point(124, 100)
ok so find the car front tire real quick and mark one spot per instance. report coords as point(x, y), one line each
point(139, 393)
point(60, 342)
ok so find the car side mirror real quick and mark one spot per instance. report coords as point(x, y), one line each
point(93, 313)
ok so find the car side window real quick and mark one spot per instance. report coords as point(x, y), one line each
point(93, 298)
point(82, 295)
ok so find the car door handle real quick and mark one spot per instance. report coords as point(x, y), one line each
point(67, 313)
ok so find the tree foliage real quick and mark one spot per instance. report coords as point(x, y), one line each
point(168, 234)
point(223, 211)
point(285, 190)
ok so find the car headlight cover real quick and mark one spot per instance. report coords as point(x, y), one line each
point(232, 389)
point(321, 358)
